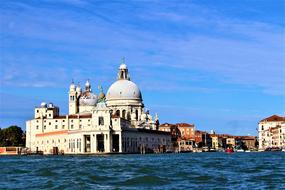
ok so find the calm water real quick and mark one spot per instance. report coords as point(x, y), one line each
point(163, 171)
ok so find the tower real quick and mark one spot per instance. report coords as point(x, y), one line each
point(73, 99)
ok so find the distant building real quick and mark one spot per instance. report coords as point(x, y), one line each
point(187, 140)
point(218, 141)
point(271, 132)
point(230, 141)
point(246, 142)
point(202, 139)
point(98, 124)
point(183, 135)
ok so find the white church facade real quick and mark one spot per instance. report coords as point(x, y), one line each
point(113, 123)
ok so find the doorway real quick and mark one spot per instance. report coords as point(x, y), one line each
point(115, 143)
point(100, 142)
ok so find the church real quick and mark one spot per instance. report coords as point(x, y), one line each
point(115, 122)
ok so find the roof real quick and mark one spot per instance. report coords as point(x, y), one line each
point(273, 118)
point(184, 125)
point(52, 133)
point(74, 116)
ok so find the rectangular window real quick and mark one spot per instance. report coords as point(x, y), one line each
point(37, 127)
point(101, 120)
point(55, 126)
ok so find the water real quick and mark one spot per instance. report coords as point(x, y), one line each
point(163, 171)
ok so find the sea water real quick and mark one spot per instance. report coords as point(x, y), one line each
point(252, 170)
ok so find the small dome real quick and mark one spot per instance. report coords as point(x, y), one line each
point(50, 105)
point(43, 105)
point(124, 90)
point(87, 99)
point(123, 66)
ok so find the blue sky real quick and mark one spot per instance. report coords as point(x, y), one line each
point(217, 64)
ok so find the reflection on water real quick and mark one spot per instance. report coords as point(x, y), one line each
point(162, 171)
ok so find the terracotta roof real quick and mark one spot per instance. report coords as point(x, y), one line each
point(74, 116)
point(184, 125)
point(274, 118)
point(60, 117)
point(165, 124)
point(52, 133)
point(248, 137)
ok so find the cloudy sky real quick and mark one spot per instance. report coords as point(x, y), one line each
point(217, 64)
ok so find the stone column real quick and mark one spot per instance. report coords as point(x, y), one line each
point(120, 142)
point(82, 144)
point(107, 142)
point(95, 143)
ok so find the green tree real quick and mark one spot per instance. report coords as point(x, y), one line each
point(11, 136)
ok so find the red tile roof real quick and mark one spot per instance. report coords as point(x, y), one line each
point(184, 125)
point(274, 118)
point(74, 116)
point(52, 133)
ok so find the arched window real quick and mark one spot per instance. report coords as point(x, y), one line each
point(118, 113)
point(262, 128)
point(137, 114)
point(124, 114)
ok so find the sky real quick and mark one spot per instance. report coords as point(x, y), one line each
point(218, 64)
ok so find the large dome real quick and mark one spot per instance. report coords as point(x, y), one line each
point(124, 90)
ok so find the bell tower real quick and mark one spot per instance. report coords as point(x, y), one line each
point(73, 99)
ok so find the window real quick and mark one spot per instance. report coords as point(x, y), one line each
point(55, 120)
point(71, 126)
point(49, 115)
point(124, 114)
point(101, 120)
point(262, 128)
point(37, 127)
point(55, 127)
point(49, 123)
point(71, 121)
point(117, 113)
point(37, 111)
point(45, 127)
point(62, 126)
